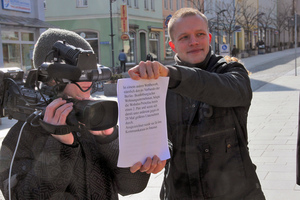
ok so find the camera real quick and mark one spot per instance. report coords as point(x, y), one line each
point(21, 97)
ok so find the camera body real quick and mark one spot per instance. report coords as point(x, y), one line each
point(20, 98)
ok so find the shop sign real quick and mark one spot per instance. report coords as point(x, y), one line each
point(124, 36)
point(17, 5)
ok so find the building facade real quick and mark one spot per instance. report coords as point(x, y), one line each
point(142, 29)
point(21, 23)
point(104, 27)
point(169, 8)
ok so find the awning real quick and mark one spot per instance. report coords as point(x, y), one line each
point(24, 21)
point(155, 29)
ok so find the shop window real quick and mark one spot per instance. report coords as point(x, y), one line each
point(27, 53)
point(10, 35)
point(11, 55)
point(27, 36)
point(153, 45)
point(129, 47)
point(169, 51)
point(17, 49)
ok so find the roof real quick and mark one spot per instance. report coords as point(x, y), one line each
point(24, 21)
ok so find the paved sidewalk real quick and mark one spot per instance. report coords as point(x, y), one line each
point(273, 129)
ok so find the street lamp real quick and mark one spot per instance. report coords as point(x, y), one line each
point(259, 33)
point(258, 16)
point(112, 37)
point(218, 34)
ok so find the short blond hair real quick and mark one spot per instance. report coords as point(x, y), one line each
point(235, 59)
point(181, 13)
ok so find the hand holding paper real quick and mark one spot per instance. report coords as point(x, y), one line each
point(142, 120)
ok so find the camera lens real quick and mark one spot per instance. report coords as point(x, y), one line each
point(97, 115)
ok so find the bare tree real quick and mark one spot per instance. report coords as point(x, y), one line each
point(266, 20)
point(199, 4)
point(227, 20)
point(282, 20)
point(247, 18)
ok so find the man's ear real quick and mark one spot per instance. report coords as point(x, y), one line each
point(210, 36)
point(172, 46)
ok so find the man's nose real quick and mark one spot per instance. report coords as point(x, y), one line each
point(193, 40)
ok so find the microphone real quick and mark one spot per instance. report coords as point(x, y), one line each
point(51, 36)
point(80, 62)
point(69, 71)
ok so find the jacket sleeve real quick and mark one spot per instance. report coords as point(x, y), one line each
point(125, 182)
point(228, 86)
point(42, 166)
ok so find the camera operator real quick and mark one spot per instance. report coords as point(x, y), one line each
point(78, 165)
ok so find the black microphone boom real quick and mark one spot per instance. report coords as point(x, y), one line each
point(63, 71)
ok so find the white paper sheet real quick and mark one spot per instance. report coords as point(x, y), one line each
point(142, 120)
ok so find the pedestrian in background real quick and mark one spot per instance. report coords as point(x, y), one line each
point(123, 60)
point(234, 51)
point(149, 57)
point(207, 107)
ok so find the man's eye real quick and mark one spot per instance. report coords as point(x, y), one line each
point(183, 37)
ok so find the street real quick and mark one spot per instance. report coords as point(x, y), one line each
point(270, 67)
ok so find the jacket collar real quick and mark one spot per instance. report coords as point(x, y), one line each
point(202, 65)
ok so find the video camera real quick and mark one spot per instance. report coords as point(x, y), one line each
point(20, 98)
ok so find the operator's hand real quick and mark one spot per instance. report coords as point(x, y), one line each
point(56, 114)
point(153, 165)
point(148, 70)
point(103, 133)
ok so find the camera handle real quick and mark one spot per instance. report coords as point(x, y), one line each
point(35, 120)
point(58, 129)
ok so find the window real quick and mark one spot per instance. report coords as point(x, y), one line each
point(182, 3)
point(153, 45)
point(136, 4)
point(129, 3)
point(166, 4)
point(17, 49)
point(11, 55)
point(177, 4)
point(171, 4)
point(146, 6)
point(82, 3)
point(10, 35)
point(153, 5)
point(169, 51)
point(27, 36)
point(129, 47)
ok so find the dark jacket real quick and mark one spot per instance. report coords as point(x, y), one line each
point(47, 169)
point(122, 57)
point(207, 114)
